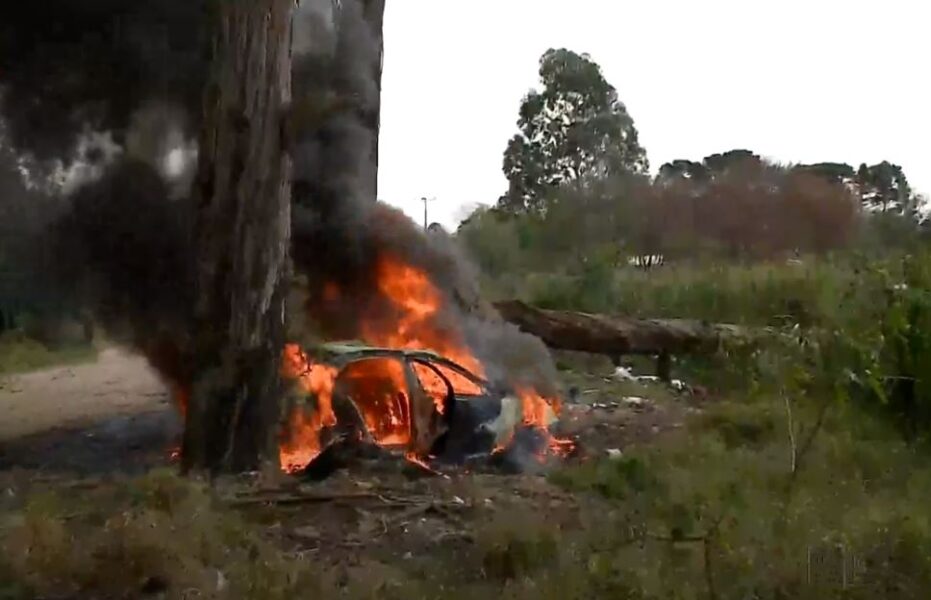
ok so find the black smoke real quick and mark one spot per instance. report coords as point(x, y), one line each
point(68, 67)
point(136, 71)
point(125, 250)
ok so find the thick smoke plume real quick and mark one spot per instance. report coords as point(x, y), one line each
point(68, 67)
point(135, 71)
point(126, 250)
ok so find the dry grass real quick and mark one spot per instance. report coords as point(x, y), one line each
point(158, 534)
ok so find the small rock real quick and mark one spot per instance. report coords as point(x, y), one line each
point(222, 583)
point(623, 374)
point(615, 453)
point(153, 585)
point(307, 532)
point(635, 401)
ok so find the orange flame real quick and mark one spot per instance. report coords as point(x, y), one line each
point(377, 387)
point(535, 409)
point(182, 396)
point(418, 304)
point(302, 443)
point(379, 391)
point(419, 462)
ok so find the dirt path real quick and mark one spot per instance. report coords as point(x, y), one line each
point(116, 415)
point(117, 384)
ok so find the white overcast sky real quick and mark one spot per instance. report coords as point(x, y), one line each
point(794, 80)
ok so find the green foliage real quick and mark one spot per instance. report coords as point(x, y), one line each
point(696, 516)
point(19, 353)
point(495, 241)
point(684, 169)
point(575, 128)
point(757, 294)
point(891, 336)
point(885, 188)
point(835, 172)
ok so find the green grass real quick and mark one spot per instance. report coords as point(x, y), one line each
point(714, 514)
point(19, 354)
point(764, 294)
point(710, 511)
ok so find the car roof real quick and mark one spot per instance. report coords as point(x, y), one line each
point(341, 354)
point(350, 350)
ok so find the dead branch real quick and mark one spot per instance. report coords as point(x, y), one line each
point(793, 456)
point(803, 453)
point(294, 499)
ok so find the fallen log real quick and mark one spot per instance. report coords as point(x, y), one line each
point(617, 336)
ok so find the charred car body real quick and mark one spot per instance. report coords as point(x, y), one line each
point(419, 403)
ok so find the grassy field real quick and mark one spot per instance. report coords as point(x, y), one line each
point(804, 473)
point(713, 511)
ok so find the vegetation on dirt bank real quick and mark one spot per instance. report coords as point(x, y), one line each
point(20, 353)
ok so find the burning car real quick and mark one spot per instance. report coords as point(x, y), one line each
point(415, 402)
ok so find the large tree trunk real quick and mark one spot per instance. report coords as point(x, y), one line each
point(374, 11)
point(243, 235)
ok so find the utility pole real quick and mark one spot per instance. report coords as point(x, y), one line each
point(426, 223)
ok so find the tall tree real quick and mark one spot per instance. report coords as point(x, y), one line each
point(243, 235)
point(833, 172)
point(574, 129)
point(885, 188)
point(683, 169)
point(712, 166)
point(719, 164)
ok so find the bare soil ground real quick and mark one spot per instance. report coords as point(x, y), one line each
point(96, 416)
point(115, 414)
point(117, 383)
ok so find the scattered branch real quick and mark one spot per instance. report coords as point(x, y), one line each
point(793, 456)
point(295, 499)
point(802, 453)
point(812, 433)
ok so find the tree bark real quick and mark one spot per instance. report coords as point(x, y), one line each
point(243, 236)
point(615, 336)
point(374, 11)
